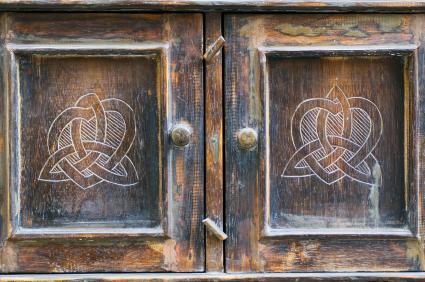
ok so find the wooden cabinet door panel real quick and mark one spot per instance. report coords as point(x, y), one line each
point(334, 181)
point(93, 181)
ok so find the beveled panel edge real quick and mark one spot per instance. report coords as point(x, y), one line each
point(17, 232)
point(315, 50)
point(21, 233)
point(340, 233)
point(111, 48)
point(403, 50)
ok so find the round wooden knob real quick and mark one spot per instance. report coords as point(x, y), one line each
point(180, 135)
point(247, 138)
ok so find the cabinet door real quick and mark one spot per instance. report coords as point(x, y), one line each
point(323, 142)
point(90, 178)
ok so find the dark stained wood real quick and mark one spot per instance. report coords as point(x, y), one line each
point(273, 62)
point(308, 202)
point(217, 5)
point(151, 62)
point(213, 143)
point(292, 226)
point(4, 140)
point(47, 88)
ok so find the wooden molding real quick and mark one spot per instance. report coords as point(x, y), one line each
point(220, 5)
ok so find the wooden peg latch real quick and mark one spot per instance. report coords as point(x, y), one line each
point(213, 49)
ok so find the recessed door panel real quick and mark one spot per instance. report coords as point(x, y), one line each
point(342, 166)
point(92, 165)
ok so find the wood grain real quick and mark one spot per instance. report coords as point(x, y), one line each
point(158, 228)
point(214, 143)
point(155, 225)
point(220, 5)
point(308, 202)
point(254, 246)
point(54, 86)
point(210, 277)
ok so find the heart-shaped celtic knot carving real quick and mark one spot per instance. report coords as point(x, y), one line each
point(334, 138)
point(88, 144)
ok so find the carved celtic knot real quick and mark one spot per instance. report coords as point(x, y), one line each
point(334, 138)
point(88, 144)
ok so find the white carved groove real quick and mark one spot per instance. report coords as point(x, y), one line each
point(334, 138)
point(88, 144)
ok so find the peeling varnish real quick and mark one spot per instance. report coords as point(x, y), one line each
point(214, 147)
point(299, 30)
point(170, 255)
point(414, 252)
point(374, 195)
point(9, 258)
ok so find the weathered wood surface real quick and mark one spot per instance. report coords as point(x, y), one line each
point(308, 202)
point(211, 277)
point(278, 224)
point(153, 64)
point(348, 235)
point(220, 5)
point(213, 143)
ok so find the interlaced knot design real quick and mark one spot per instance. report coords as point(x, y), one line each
point(88, 144)
point(334, 138)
